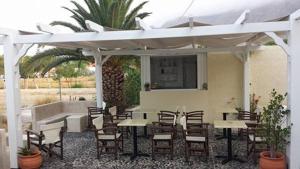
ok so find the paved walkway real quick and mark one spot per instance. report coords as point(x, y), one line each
point(80, 152)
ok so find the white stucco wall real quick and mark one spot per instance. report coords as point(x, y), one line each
point(268, 71)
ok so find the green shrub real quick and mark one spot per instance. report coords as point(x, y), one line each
point(77, 85)
point(45, 100)
point(132, 86)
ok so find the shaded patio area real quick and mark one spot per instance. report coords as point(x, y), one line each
point(80, 152)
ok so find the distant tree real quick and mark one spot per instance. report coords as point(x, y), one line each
point(1, 65)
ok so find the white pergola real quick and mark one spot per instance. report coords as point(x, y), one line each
point(238, 38)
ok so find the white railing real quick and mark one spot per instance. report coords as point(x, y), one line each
point(4, 160)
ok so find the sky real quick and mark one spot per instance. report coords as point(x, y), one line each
point(25, 14)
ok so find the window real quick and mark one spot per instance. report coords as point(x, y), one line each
point(174, 72)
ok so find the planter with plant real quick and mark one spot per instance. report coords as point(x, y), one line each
point(147, 86)
point(29, 158)
point(275, 131)
point(254, 103)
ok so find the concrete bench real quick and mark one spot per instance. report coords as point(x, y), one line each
point(58, 111)
point(76, 123)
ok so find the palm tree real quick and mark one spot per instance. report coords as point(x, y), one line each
point(108, 13)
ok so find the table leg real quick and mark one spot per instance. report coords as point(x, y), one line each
point(135, 151)
point(229, 144)
point(219, 137)
point(145, 128)
point(229, 156)
point(135, 148)
point(224, 130)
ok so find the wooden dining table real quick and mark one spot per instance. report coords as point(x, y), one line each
point(144, 111)
point(134, 123)
point(230, 124)
point(224, 115)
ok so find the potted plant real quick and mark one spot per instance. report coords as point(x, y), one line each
point(254, 103)
point(147, 86)
point(29, 158)
point(275, 131)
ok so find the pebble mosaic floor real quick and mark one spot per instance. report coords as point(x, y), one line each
point(80, 153)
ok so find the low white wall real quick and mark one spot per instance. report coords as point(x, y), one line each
point(4, 153)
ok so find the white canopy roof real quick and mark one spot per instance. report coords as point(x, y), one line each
point(279, 10)
point(266, 11)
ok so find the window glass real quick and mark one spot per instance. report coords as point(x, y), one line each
point(174, 72)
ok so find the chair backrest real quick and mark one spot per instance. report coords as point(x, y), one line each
point(183, 122)
point(168, 117)
point(177, 109)
point(94, 110)
point(98, 123)
point(113, 110)
point(246, 115)
point(194, 117)
point(52, 131)
point(103, 105)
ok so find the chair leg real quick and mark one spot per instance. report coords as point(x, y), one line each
point(171, 149)
point(254, 150)
point(89, 122)
point(61, 150)
point(122, 143)
point(207, 149)
point(50, 150)
point(153, 149)
point(186, 152)
point(98, 156)
point(247, 146)
point(116, 149)
point(104, 145)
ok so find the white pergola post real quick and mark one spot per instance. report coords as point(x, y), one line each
point(99, 85)
point(202, 68)
point(246, 81)
point(145, 71)
point(12, 98)
point(294, 89)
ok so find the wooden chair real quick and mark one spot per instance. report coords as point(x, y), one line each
point(162, 140)
point(194, 118)
point(246, 115)
point(168, 118)
point(250, 119)
point(50, 136)
point(107, 137)
point(195, 135)
point(256, 141)
point(94, 112)
point(120, 115)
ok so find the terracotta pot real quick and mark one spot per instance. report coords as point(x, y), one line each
point(30, 162)
point(266, 162)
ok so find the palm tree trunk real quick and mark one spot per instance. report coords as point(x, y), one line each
point(113, 79)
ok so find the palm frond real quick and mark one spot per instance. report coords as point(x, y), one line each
point(80, 20)
point(129, 22)
point(94, 11)
point(67, 24)
point(64, 59)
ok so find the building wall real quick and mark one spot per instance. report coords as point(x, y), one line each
point(225, 84)
point(268, 71)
